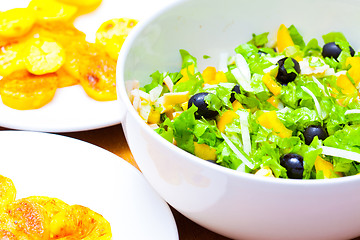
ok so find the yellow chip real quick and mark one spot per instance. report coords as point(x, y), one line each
point(44, 56)
point(52, 205)
point(25, 220)
point(113, 33)
point(16, 22)
point(51, 10)
point(63, 33)
point(98, 78)
point(78, 222)
point(82, 3)
point(23, 91)
point(65, 79)
point(7, 192)
point(95, 69)
point(11, 57)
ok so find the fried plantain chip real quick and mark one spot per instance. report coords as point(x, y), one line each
point(23, 91)
point(78, 222)
point(52, 205)
point(65, 79)
point(16, 22)
point(11, 56)
point(95, 70)
point(51, 10)
point(25, 220)
point(7, 192)
point(43, 56)
point(82, 3)
point(113, 33)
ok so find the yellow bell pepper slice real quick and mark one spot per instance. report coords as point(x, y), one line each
point(184, 73)
point(270, 120)
point(325, 166)
point(211, 76)
point(283, 38)
point(346, 85)
point(273, 87)
point(204, 151)
point(354, 71)
point(226, 118)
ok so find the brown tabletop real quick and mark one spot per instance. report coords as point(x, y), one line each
point(113, 140)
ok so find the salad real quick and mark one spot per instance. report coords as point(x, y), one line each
point(286, 110)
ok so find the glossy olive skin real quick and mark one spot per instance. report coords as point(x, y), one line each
point(294, 164)
point(199, 101)
point(312, 131)
point(236, 89)
point(332, 50)
point(283, 77)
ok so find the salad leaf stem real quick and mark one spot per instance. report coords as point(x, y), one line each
point(317, 104)
point(244, 126)
point(242, 72)
point(242, 156)
point(336, 152)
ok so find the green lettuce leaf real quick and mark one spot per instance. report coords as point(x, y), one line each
point(259, 40)
point(166, 130)
point(346, 138)
point(312, 48)
point(296, 37)
point(333, 37)
point(183, 129)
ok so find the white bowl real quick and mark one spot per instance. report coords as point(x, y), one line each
point(236, 205)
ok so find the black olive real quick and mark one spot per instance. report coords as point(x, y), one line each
point(283, 76)
point(312, 131)
point(332, 50)
point(199, 101)
point(262, 52)
point(236, 89)
point(294, 164)
point(213, 161)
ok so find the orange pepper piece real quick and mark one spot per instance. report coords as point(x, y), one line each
point(354, 71)
point(283, 38)
point(204, 151)
point(271, 121)
point(273, 101)
point(237, 105)
point(271, 84)
point(325, 166)
point(184, 73)
point(220, 77)
point(227, 117)
point(346, 85)
point(211, 76)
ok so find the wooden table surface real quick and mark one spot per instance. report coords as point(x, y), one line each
point(113, 139)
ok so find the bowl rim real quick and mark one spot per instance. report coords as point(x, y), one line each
point(129, 109)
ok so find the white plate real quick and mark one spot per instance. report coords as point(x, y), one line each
point(71, 109)
point(80, 173)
